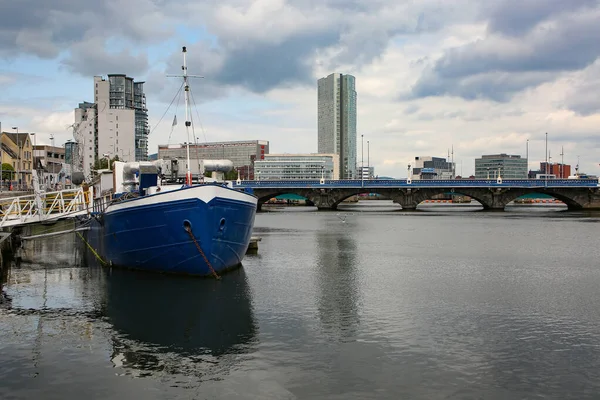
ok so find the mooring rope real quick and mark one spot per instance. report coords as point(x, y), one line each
point(188, 229)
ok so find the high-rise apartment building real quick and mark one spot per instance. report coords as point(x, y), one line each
point(337, 121)
point(115, 124)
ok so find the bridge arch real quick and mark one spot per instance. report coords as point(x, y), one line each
point(571, 202)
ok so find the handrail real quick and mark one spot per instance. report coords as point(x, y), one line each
point(425, 183)
point(45, 206)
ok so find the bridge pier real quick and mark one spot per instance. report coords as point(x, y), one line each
point(324, 201)
point(409, 198)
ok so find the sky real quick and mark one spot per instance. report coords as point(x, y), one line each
point(481, 77)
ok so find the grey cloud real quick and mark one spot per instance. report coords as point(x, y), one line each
point(265, 66)
point(583, 96)
point(350, 32)
point(516, 18)
point(497, 86)
point(337, 35)
point(40, 28)
point(91, 58)
point(46, 28)
point(411, 109)
point(497, 67)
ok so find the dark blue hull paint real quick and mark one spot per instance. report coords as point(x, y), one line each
point(152, 237)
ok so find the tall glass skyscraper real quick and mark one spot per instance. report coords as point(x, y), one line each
point(337, 121)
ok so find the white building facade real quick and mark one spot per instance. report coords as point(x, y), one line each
point(51, 166)
point(366, 173)
point(115, 124)
point(337, 121)
point(297, 167)
point(428, 167)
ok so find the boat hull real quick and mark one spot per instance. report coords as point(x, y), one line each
point(150, 233)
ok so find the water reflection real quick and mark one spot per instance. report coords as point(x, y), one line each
point(61, 250)
point(337, 281)
point(178, 324)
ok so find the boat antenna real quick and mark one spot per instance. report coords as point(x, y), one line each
point(188, 123)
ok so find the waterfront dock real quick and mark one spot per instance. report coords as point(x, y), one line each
point(253, 246)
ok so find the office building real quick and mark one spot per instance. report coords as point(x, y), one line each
point(115, 124)
point(242, 154)
point(428, 167)
point(297, 166)
point(337, 121)
point(506, 165)
point(561, 171)
point(365, 172)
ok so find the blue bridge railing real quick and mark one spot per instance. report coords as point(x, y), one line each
point(425, 183)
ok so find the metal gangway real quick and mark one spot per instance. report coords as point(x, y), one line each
point(45, 206)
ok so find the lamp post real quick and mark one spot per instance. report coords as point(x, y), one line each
point(562, 162)
point(546, 168)
point(71, 155)
point(362, 160)
point(368, 161)
point(33, 171)
point(527, 157)
point(1, 161)
point(16, 128)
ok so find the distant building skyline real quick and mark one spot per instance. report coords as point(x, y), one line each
point(336, 120)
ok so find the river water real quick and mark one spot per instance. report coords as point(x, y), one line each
point(367, 302)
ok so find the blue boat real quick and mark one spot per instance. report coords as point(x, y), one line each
point(198, 228)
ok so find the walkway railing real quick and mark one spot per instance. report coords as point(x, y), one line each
point(424, 183)
point(45, 206)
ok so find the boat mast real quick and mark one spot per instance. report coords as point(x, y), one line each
point(185, 76)
point(188, 174)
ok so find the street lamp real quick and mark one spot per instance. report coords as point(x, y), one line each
point(1, 161)
point(368, 161)
point(527, 157)
point(322, 175)
point(33, 156)
point(362, 160)
point(16, 128)
point(546, 168)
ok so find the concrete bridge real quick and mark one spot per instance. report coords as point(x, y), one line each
point(493, 194)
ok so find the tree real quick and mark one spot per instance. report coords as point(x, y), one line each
point(228, 176)
point(102, 163)
point(7, 171)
